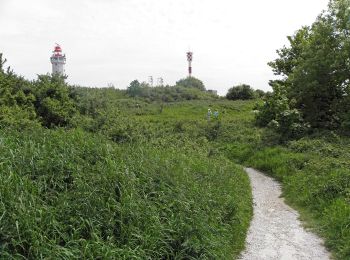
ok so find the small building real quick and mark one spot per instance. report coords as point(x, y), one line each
point(211, 91)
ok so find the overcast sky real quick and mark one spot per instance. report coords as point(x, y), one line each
point(117, 41)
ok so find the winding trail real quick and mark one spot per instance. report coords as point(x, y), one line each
point(275, 232)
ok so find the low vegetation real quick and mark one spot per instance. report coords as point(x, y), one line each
point(147, 173)
point(70, 194)
point(94, 173)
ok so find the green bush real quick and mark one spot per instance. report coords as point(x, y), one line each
point(16, 100)
point(191, 82)
point(47, 100)
point(53, 103)
point(240, 92)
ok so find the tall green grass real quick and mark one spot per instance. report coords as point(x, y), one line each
point(70, 194)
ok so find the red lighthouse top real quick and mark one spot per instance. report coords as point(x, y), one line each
point(57, 51)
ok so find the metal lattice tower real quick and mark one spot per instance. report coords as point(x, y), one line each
point(160, 81)
point(58, 60)
point(150, 81)
point(189, 59)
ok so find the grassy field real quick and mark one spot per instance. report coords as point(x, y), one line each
point(150, 180)
point(314, 171)
point(165, 193)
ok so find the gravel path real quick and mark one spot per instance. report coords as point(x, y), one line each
point(275, 232)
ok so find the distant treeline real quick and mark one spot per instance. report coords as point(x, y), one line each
point(49, 101)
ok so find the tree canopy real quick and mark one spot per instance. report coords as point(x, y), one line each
point(242, 92)
point(315, 70)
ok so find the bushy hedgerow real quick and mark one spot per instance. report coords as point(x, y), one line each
point(185, 89)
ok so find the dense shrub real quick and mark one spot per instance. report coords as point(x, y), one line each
point(242, 92)
point(191, 82)
point(16, 100)
point(272, 106)
point(277, 114)
point(47, 100)
point(260, 93)
point(53, 103)
point(135, 89)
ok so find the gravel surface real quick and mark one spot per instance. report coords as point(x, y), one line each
point(275, 231)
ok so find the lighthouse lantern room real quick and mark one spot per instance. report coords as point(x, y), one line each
point(58, 61)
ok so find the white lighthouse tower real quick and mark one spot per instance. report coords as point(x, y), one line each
point(58, 60)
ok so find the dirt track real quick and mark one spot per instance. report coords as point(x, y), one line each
point(275, 232)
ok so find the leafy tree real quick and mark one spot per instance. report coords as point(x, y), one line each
point(191, 82)
point(289, 56)
point(134, 89)
point(242, 92)
point(259, 93)
point(315, 68)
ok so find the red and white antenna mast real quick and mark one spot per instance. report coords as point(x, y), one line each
point(189, 59)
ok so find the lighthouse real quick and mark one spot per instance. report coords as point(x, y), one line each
point(58, 61)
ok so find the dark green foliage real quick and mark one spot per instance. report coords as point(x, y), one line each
point(272, 106)
point(47, 100)
point(16, 100)
point(191, 82)
point(276, 112)
point(240, 92)
point(135, 89)
point(260, 93)
point(315, 68)
point(290, 125)
point(53, 103)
